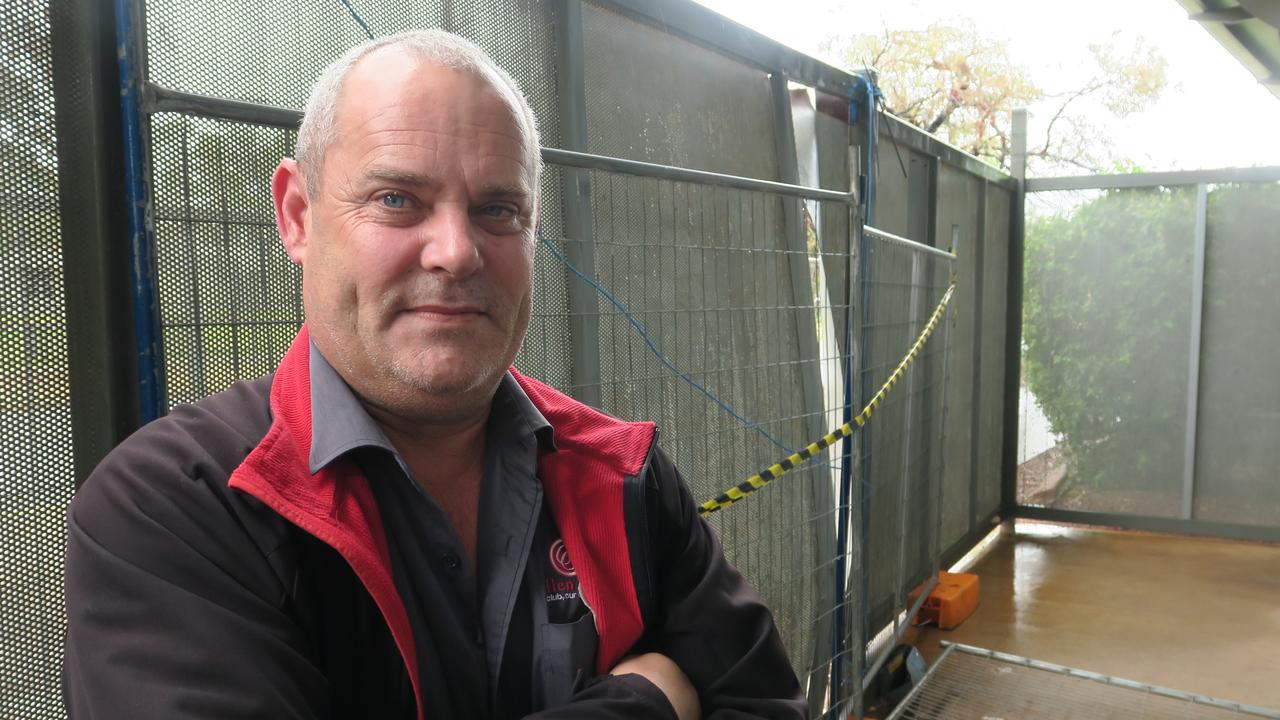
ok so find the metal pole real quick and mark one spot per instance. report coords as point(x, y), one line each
point(821, 497)
point(906, 701)
point(667, 172)
point(896, 636)
point(1193, 361)
point(1013, 320)
point(95, 259)
point(904, 494)
point(1156, 179)
point(131, 57)
point(1018, 160)
point(584, 310)
point(864, 479)
point(942, 436)
point(912, 244)
point(975, 381)
point(847, 604)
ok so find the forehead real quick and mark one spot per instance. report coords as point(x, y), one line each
point(394, 104)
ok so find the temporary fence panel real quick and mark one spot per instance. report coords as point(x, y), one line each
point(902, 448)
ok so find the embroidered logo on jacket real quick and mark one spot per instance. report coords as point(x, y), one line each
point(562, 584)
point(560, 559)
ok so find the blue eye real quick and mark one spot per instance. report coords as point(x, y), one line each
point(496, 211)
point(394, 201)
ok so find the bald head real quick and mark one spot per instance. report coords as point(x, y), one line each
point(320, 123)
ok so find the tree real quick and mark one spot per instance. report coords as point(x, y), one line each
point(953, 81)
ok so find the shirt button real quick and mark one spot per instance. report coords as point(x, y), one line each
point(451, 561)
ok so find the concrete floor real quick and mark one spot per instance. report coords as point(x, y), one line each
point(1194, 614)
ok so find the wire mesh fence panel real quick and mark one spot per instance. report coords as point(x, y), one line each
point(1237, 458)
point(230, 299)
point(900, 460)
point(705, 272)
point(1106, 328)
point(967, 684)
point(547, 353)
point(36, 464)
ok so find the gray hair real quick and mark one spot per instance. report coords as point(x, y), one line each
point(437, 47)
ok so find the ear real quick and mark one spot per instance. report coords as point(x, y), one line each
point(289, 191)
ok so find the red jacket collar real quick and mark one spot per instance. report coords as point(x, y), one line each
point(583, 481)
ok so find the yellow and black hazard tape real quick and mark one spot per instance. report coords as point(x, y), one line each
point(776, 470)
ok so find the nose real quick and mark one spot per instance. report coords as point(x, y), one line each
point(450, 243)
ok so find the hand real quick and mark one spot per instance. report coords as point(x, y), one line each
point(668, 677)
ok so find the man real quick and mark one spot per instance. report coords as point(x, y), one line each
point(394, 524)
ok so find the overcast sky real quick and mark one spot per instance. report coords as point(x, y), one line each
point(1212, 114)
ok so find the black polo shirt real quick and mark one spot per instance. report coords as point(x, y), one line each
point(501, 639)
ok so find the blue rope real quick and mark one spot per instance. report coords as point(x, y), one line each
point(356, 16)
point(654, 348)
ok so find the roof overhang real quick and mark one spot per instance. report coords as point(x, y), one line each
point(1248, 29)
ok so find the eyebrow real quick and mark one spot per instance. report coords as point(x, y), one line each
point(513, 191)
point(400, 177)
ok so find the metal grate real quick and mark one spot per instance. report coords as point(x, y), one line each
point(968, 682)
point(252, 52)
point(36, 473)
point(230, 299)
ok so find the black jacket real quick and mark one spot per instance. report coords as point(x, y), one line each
point(188, 597)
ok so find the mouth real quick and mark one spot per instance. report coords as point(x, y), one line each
point(446, 313)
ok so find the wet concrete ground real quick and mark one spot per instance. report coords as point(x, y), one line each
point(1195, 614)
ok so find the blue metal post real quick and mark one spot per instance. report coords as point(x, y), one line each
point(870, 92)
point(846, 467)
point(146, 313)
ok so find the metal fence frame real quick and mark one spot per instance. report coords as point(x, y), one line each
point(1186, 524)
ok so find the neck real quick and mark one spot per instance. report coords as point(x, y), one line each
point(448, 462)
point(436, 452)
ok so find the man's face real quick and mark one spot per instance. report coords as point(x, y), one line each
point(417, 245)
